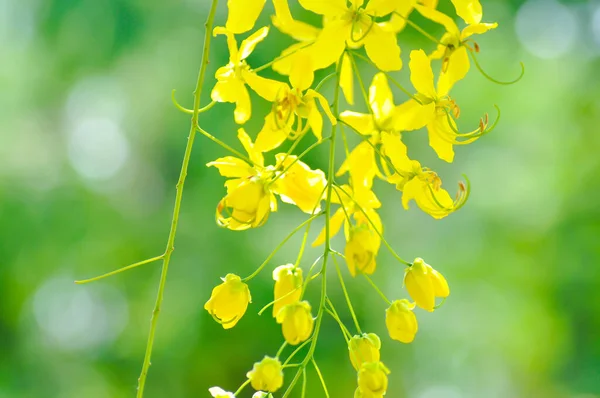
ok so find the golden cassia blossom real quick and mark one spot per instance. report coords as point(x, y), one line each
point(364, 348)
point(401, 322)
point(249, 201)
point(266, 375)
point(288, 286)
point(296, 322)
point(424, 284)
point(454, 43)
point(229, 301)
point(290, 110)
point(372, 380)
point(435, 110)
point(233, 77)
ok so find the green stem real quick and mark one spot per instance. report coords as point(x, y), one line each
point(330, 175)
point(320, 377)
point(224, 145)
point(345, 332)
point(377, 289)
point(279, 246)
point(150, 260)
point(178, 196)
point(239, 390)
point(419, 29)
point(280, 351)
point(301, 346)
point(341, 278)
point(268, 64)
point(303, 394)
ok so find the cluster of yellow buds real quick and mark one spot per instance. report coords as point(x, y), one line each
point(297, 107)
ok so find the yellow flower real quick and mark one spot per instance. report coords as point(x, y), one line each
point(424, 186)
point(401, 322)
point(229, 301)
point(454, 43)
point(218, 392)
point(424, 284)
point(232, 78)
point(288, 286)
point(364, 348)
point(383, 127)
point(249, 201)
point(292, 105)
point(296, 322)
point(435, 109)
point(346, 27)
point(266, 375)
point(372, 380)
point(299, 184)
point(361, 250)
point(262, 394)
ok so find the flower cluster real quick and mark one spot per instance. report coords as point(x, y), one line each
point(352, 30)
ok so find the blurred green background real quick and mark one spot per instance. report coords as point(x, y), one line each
point(90, 152)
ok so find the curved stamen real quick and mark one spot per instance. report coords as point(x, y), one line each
point(478, 66)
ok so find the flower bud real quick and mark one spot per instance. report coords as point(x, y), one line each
point(364, 348)
point(296, 322)
point(401, 322)
point(262, 394)
point(424, 284)
point(218, 392)
point(229, 301)
point(288, 286)
point(266, 375)
point(372, 380)
point(361, 251)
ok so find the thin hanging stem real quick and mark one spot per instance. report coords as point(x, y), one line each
point(320, 377)
point(118, 271)
point(346, 295)
point(268, 64)
point(224, 145)
point(239, 390)
point(377, 289)
point(189, 111)
point(419, 29)
point(279, 246)
point(178, 196)
point(484, 73)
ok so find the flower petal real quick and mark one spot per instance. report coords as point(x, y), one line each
point(231, 43)
point(383, 49)
point(335, 223)
point(346, 79)
point(266, 88)
point(412, 116)
point(330, 44)
point(421, 75)
point(381, 8)
point(255, 155)
point(230, 166)
point(250, 43)
point(469, 10)
point(242, 14)
point(477, 29)
point(440, 138)
point(361, 122)
point(381, 99)
point(271, 135)
point(441, 18)
point(458, 66)
point(324, 7)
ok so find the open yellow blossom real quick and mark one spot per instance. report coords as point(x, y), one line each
point(296, 322)
point(292, 107)
point(401, 322)
point(249, 200)
point(218, 392)
point(242, 14)
point(299, 184)
point(364, 348)
point(350, 26)
point(266, 375)
point(424, 186)
point(372, 380)
point(361, 250)
point(454, 43)
point(382, 125)
point(353, 202)
point(424, 284)
point(229, 301)
point(288, 286)
point(434, 110)
point(233, 77)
